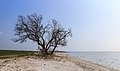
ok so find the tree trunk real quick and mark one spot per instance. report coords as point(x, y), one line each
point(44, 52)
point(53, 50)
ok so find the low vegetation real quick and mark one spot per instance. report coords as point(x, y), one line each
point(18, 53)
point(11, 53)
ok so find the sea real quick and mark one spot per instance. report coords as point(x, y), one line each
point(108, 59)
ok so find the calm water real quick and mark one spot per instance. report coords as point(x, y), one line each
point(109, 59)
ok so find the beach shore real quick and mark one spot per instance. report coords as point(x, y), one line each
point(59, 62)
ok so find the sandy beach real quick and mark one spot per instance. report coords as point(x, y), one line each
point(60, 62)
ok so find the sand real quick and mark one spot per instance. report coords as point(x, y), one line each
point(61, 62)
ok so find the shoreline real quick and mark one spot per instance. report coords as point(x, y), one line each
point(107, 59)
point(59, 62)
point(88, 64)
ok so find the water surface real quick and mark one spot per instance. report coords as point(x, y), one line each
point(109, 59)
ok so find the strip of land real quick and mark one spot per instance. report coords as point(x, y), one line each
point(57, 62)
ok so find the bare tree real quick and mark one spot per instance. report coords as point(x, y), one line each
point(48, 37)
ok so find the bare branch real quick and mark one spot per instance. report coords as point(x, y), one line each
point(48, 37)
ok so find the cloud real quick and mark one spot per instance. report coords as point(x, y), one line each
point(1, 33)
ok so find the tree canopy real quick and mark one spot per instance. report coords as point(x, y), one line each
point(48, 37)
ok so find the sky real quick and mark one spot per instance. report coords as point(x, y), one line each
point(95, 24)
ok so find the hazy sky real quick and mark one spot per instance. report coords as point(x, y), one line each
point(95, 24)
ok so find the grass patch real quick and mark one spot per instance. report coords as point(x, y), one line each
point(18, 53)
point(10, 53)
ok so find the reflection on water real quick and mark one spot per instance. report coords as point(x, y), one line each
point(109, 59)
